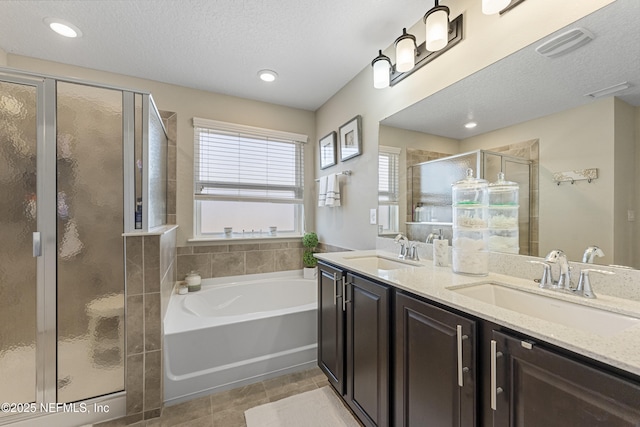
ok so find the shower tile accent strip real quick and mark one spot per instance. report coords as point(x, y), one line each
point(150, 277)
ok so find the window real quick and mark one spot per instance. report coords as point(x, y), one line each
point(247, 178)
point(388, 189)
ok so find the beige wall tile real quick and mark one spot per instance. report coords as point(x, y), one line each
point(151, 250)
point(227, 264)
point(134, 384)
point(244, 247)
point(270, 246)
point(152, 322)
point(184, 250)
point(135, 324)
point(152, 380)
point(288, 259)
point(134, 265)
point(259, 262)
point(209, 249)
point(197, 262)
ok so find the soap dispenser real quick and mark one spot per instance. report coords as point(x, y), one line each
point(440, 250)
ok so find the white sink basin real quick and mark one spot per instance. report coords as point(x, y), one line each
point(590, 319)
point(381, 263)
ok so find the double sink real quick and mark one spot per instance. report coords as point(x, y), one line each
point(583, 317)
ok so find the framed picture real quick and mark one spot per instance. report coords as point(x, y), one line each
point(351, 138)
point(328, 151)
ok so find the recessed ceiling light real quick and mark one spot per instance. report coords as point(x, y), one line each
point(470, 125)
point(267, 75)
point(63, 28)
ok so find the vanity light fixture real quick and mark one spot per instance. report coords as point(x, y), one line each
point(63, 28)
point(267, 75)
point(441, 34)
point(381, 70)
point(405, 52)
point(436, 22)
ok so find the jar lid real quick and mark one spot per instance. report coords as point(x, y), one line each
point(470, 181)
point(502, 185)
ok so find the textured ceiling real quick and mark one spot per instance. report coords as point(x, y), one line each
point(526, 85)
point(316, 47)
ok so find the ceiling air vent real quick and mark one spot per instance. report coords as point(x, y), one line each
point(565, 42)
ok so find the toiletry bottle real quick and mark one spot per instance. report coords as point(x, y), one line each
point(418, 213)
point(138, 214)
point(440, 250)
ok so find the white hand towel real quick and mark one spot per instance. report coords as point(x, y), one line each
point(333, 191)
point(322, 192)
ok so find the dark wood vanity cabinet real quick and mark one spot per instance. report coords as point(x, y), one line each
point(353, 341)
point(534, 386)
point(367, 350)
point(331, 328)
point(435, 366)
point(451, 369)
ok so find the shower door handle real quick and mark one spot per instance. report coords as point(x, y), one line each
point(37, 244)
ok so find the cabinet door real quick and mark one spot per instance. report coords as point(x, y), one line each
point(538, 387)
point(435, 366)
point(331, 325)
point(368, 365)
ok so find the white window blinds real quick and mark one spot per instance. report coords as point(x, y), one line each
point(388, 174)
point(242, 163)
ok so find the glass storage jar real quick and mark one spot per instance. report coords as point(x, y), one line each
point(470, 243)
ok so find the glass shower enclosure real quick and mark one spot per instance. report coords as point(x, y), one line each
point(69, 179)
point(430, 187)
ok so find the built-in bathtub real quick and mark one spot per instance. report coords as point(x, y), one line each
point(238, 330)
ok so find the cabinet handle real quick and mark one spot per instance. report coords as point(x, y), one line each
point(461, 369)
point(495, 390)
point(335, 288)
point(345, 301)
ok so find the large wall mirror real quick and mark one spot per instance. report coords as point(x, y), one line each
point(574, 111)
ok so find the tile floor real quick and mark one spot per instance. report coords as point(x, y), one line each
point(226, 409)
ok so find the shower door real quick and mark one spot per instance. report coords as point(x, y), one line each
point(20, 109)
point(61, 251)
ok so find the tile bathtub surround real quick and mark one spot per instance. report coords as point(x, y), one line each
point(150, 276)
point(226, 409)
point(233, 259)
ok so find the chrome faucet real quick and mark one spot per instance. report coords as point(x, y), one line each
point(584, 284)
point(590, 253)
point(404, 245)
point(433, 236)
point(557, 256)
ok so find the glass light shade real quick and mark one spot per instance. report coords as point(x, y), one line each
point(437, 29)
point(405, 55)
point(381, 75)
point(491, 7)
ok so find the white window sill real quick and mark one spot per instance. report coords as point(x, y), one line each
point(240, 238)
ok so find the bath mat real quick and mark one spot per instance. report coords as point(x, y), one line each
point(316, 408)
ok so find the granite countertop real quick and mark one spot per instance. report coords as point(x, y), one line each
point(621, 350)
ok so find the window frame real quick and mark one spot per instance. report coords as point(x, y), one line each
point(243, 131)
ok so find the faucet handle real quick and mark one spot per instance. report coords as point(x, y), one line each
point(546, 282)
point(584, 284)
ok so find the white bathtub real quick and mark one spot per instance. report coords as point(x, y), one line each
point(238, 330)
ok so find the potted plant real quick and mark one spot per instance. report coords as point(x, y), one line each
point(309, 241)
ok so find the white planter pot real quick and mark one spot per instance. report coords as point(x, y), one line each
point(310, 272)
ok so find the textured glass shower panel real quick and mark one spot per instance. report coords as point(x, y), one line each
point(90, 246)
point(432, 183)
point(18, 272)
point(157, 170)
